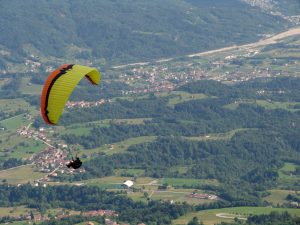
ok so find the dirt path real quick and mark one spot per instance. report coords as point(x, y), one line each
point(230, 216)
point(12, 117)
point(12, 168)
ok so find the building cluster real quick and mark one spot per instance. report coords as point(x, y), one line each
point(268, 6)
point(203, 196)
point(49, 159)
point(3, 72)
point(263, 92)
point(32, 66)
point(53, 162)
point(85, 104)
point(61, 214)
point(295, 19)
point(159, 78)
point(100, 212)
point(31, 133)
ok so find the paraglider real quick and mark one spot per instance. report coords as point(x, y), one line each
point(57, 90)
point(59, 86)
point(75, 164)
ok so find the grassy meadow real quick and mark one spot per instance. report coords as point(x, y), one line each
point(20, 175)
point(209, 217)
point(279, 196)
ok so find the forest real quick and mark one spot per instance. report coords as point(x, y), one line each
point(128, 31)
point(264, 138)
point(91, 198)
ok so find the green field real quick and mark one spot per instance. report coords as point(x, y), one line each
point(129, 172)
point(85, 128)
point(75, 130)
point(14, 146)
point(208, 217)
point(288, 167)
point(120, 146)
point(134, 121)
point(278, 105)
point(179, 182)
point(31, 89)
point(20, 175)
point(286, 176)
point(115, 182)
point(13, 123)
point(179, 195)
point(179, 169)
point(278, 196)
point(218, 136)
point(21, 223)
point(12, 105)
point(152, 191)
point(112, 182)
point(14, 211)
point(266, 104)
point(181, 96)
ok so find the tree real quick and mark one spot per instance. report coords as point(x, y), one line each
point(195, 221)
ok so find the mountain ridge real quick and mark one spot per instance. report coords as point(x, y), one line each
point(126, 32)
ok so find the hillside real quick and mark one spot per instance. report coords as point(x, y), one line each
point(206, 143)
point(198, 106)
point(109, 32)
point(286, 9)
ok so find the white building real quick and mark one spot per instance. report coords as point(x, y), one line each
point(128, 184)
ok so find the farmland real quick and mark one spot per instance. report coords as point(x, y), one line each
point(279, 196)
point(188, 182)
point(183, 139)
point(286, 176)
point(219, 136)
point(210, 217)
point(14, 211)
point(120, 147)
point(20, 175)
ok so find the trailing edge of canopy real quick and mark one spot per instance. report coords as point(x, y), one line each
point(60, 85)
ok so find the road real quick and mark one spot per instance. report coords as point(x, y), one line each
point(27, 128)
point(16, 167)
point(267, 41)
point(11, 117)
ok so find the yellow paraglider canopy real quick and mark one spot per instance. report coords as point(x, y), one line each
point(60, 85)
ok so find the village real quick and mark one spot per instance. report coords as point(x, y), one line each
point(38, 217)
point(163, 79)
point(52, 159)
point(86, 104)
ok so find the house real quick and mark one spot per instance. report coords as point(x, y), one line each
point(37, 217)
point(295, 204)
point(127, 184)
point(203, 196)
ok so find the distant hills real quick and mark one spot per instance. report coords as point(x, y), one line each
point(287, 9)
point(113, 32)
